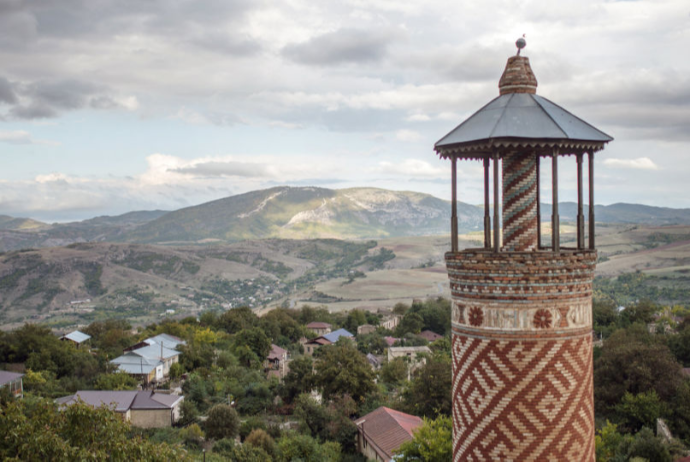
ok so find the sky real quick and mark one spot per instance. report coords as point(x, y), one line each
point(109, 106)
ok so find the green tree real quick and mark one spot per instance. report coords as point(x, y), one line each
point(116, 381)
point(607, 441)
point(412, 322)
point(36, 430)
point(237, 319)
point(255, 339)
point(260, 439)
point(343, 370)
point(299, 379)
point(432, 442)
point(640, 410)
point(634, 361)
point(394, 372)
point(645, 446)
point(304, 448)
point(222, 422)
point(429, 391)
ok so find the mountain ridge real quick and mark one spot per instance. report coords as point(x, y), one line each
point(298, 213)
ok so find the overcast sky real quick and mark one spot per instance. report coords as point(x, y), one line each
point(108, 106)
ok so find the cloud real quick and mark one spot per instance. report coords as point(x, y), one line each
point(226, 169)
point(411, 167)
point(47, 98)
point(21, 137)
point(409, 136)
point(641, 163)
point(342, 46)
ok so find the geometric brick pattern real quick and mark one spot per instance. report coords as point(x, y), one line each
point(519, 202)
point(522, 355)
point(527, 400)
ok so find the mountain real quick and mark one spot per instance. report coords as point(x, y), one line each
point(20, 224)
point(22, 233)
point(307, 213)
point(297, 213)
point(622, 213)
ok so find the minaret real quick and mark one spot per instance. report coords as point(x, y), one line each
point(521, 311)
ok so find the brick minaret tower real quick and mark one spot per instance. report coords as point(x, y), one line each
point(522, 312)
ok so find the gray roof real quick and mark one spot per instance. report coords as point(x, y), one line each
point(522, 116)
point(155, 351)
point(169, 341)
point(133, 363)
point(7, 377)
point(122, 400)
point(77, 336)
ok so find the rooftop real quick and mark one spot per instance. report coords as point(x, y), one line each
point(7, 377)
point(76, 336)
point(388, 429)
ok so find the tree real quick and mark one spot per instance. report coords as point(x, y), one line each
point(429, 390)
point(36, 430)
point(343, 370)
point(329, 422)
point(394, 372)
point(645, 446)
point(237, 319)
point(260, 439)
point(412, 322)
point(606, 441)
point(634, 361)
point(432, 442)
point(189, 413)
point(300, 378)
point(255, 339)
point(296, 447)
point(641, 410)
point(222, 422)
point(116, 381)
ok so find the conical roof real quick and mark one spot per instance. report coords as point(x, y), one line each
point(519, 117)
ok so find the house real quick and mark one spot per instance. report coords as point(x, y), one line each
point(429, 336)
point(327, 339)
point(149, 363)
point(412, 354)
point(276, 362)
point(145, 409)
point(366, 329)
point(167, 340)
point(13, 381)
point(319, 328)
point(381, 432)
point(390, 321)
point(76, 337)
point(150, 360)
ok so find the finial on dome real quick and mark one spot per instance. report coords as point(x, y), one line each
point(521, 43)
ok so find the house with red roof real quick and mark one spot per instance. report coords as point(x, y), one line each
point(383, 431)
point(276, 362)
point(319, 328)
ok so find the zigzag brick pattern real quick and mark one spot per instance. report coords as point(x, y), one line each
point(519, 202)
point(522, 355)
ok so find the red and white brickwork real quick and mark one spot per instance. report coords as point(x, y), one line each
point(522, 355)
point(519, 202)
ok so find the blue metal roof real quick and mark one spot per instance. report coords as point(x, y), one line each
point(336, 334)
point(522, 115)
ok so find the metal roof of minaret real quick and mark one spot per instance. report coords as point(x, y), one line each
point(520, 118)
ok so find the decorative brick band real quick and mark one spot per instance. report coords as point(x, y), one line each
point(528, 400)
point(519, 202)
point(522, 355)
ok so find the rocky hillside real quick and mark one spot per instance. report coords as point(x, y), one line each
point(307, 213)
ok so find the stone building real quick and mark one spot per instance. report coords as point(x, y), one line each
point(522, 310)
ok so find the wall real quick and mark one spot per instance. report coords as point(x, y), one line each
point(522, 355)
point(150, 418)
